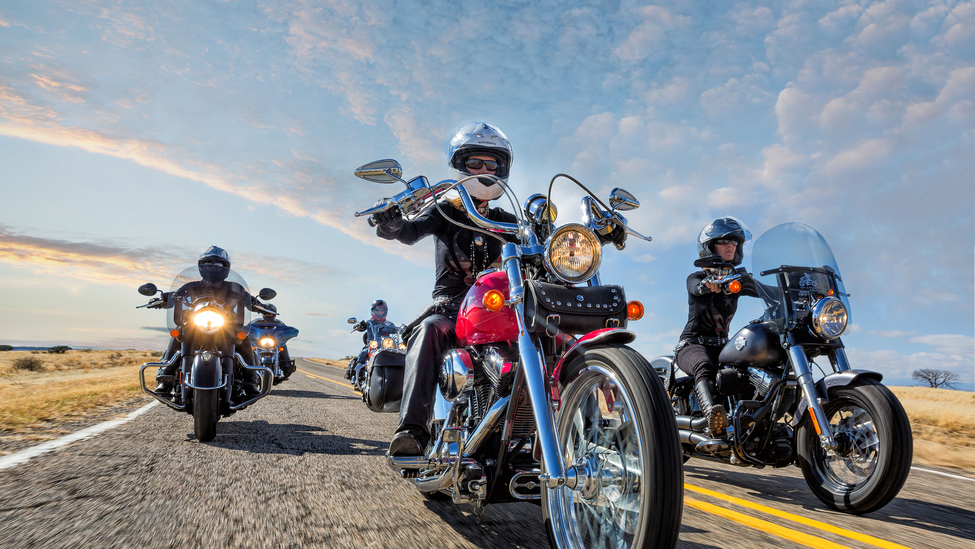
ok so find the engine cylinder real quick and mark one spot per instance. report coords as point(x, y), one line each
point(456, 374)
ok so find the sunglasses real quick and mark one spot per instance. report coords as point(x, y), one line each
point(724, 242)
point(477, 164)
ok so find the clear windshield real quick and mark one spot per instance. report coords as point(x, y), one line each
point(801, 246)
point(189, 293)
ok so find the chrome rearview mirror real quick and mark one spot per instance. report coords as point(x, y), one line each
point(352, 320)
point(381, 171)
point(621, 200)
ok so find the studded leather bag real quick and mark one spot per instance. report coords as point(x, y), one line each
point(553, 308)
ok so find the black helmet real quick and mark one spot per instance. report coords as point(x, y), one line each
point(379, 310)
point(273, 309)
point(214, 265)
point(727, 227)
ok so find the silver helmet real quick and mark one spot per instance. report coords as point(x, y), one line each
point(476, 139)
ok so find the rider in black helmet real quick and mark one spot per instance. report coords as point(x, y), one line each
point(214, 268)
point(710, 311)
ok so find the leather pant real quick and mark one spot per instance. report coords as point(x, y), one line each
point(700, 361)
point(423, 357)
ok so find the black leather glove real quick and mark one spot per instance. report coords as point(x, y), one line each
point(387, 216)
point(618, 235)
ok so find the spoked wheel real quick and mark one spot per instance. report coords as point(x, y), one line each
point(616, 426)
point(206, 412)
point(875, 449)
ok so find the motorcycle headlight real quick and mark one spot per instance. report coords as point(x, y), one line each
point(267, 342)
point(388, 343)
point(402, 347)
point(829, 317)
point(573, 253)
point(374, 344)
point(208, 320)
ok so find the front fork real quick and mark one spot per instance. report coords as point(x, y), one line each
point(800, 366)
point(535, 380)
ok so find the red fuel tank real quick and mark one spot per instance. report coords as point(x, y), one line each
point(475, 324)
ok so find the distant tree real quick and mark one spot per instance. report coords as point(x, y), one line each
point(6, 348)
point(937, 378)
point(59, 349)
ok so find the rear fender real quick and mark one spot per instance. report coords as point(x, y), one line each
point(206, 374)
point(828, 384)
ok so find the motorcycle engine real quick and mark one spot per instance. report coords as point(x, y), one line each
point(761, 380)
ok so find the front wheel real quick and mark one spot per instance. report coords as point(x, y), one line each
point(875, 449)
point(206, 412)
point(616, 426)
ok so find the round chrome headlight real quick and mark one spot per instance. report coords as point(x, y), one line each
point(573, 253)
point(208, 320)
point(267, 342)
point(829, 317)
point(388, 343)
point(374, 344)
point(402, 347)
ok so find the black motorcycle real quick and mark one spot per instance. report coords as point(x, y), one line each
point(378, 370)
point(846, 431)
point(209, 321)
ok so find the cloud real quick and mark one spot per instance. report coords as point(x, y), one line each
point(895, 334)
point(949, 344)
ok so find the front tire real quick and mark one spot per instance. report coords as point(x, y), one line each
point(876, 449)
point(206, 412)
point(616, 422)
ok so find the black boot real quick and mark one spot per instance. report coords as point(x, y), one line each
point(252, 382)
point(165, 380)
point(716, 413)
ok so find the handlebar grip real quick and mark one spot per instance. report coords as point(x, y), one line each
point(372, 221)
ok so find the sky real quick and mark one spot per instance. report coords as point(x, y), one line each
point(134, 135)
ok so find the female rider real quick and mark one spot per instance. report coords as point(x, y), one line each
point(478, 148)
point(709, 315)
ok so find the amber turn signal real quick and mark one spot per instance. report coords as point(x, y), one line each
point(241, 336)
point(734, 286)
point(174, 333)
point(634, 310)
point(493, 301)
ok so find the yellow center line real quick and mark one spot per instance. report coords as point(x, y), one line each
point(869, 540)
point(764, 526)
point(309, 374)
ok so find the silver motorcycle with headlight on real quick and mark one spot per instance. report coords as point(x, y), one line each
point(209, 324)
point(541, 399)
point(846, 431)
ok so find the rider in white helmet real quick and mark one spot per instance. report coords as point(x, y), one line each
point(460, 254)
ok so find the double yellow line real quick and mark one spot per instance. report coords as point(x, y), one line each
point(309, 374)
point(770, 528)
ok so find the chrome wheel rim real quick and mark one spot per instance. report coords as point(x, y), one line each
point(599, 438)
point(855, 461)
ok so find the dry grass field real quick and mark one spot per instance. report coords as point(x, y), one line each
point(80, 384)
point(943, 423)
point(64, 388)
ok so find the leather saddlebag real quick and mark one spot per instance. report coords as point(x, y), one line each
point(384, 383)
point(553, 308)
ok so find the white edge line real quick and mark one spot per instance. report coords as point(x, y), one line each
point(22, 456)
point(945, 474)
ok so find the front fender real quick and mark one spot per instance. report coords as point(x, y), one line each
point(206, 374)
point(831, 382)
point(598, 337)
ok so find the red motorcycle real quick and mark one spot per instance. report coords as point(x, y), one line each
point(542, 400)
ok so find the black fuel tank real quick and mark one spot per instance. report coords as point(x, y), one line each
point(754, 345)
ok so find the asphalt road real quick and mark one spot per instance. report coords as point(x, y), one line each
point(305, 468)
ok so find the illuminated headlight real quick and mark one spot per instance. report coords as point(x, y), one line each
point(573, 253)
point(267, 342)
point(402, 347)
point(388, 343)
point(208, 320)
point(829, 317)
point(374, 344)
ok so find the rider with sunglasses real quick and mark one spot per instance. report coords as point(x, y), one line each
point(460, 254)
point(709, 315)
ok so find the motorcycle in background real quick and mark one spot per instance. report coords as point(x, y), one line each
point(378, 374)
point(269, 339)
point(528, 411)
point(846, 431)
point(208, 321)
